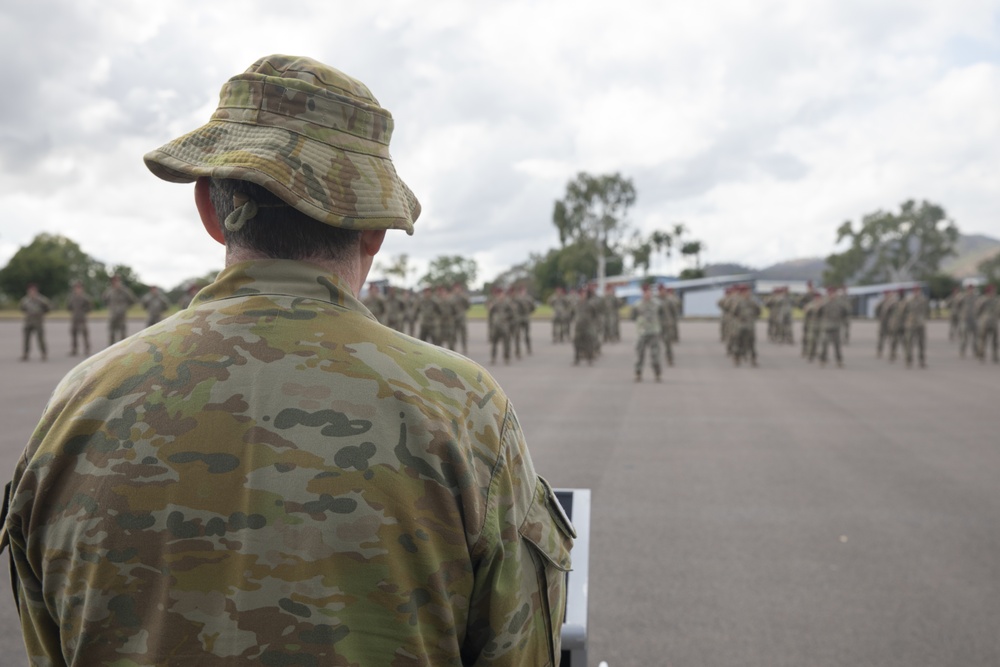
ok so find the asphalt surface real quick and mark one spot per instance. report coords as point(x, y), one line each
point(783, 515)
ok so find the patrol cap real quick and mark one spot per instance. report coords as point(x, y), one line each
point(312, 135)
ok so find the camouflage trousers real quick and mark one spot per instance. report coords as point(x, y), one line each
point(897, 339)
point(987, 337)
point(462, 335)
point(883, 335)
point(39, 332)
point(430, 332)
point(968, 338)
point(77, 330)
point(500, 335)
point(116, 328)
point(586, 344)
point(652, 343)
point(831, 336)
point(522, 330)
point(668, 347)
point(744, 344)
point(916, 337)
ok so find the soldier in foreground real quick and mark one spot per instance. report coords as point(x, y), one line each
point(744, 313)
point(34, 306)
point(117, 298)
point(79, 304)
point(270, 476)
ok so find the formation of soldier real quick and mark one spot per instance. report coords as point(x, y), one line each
point(902, 324)
point(780, 304)
point(974, 319)
point(825, 324)
point(437, 316)
point(118, 298)
point(655, 318)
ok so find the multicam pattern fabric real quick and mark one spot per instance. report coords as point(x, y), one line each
point(314, 136)
point(271, 477)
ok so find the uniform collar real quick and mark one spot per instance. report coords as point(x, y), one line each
point(281, 277)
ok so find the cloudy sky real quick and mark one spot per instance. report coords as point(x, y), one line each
point(761, 124)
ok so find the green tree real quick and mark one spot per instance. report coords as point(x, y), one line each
point(450, 269)
point(990, 268)
point(398, 266)
point(693, 248)
point(593, 215)
point(53, 262)
point(569, 266)
point(892, 247)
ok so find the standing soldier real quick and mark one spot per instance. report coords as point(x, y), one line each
point(155, 304)
point(79, 304)
point(395, 310)
point(785, 333)
point(726, 304)
point(987, 314)
point(674, 302)
point(953, 304)
point(916, 310)
point(460, 309)
point(612, 318)
point(500, 321)
point(848, 308)
point(648, 317)
point(666, 319)
point(117, 298)
point(896, 332)
point(831, 315)
point(427, 314)
point(745, 311)
point(446, 317)
point(375, 303)
point(187, 297)
point(882, 312)
point(34, 306)
point(771, 303)
point(811, 325)
point(560, 315)
point(524, 305)
point(586, 341)
point(967, 321)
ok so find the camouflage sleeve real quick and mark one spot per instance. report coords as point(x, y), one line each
point(519, 596)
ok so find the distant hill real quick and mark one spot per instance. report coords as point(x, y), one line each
point(726, 269)
point(810, 268)
point(972, 249)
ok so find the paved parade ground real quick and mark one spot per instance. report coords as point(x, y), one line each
point(780, 516)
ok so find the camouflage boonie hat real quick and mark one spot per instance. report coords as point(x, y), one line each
point(310, 134)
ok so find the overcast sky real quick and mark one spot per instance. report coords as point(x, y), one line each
point(762, 125)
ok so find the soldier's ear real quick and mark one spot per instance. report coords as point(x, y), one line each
point(371, 241)
point(206, 210)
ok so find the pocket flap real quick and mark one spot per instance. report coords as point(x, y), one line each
point(548, 528)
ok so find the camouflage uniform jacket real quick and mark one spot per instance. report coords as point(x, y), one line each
point(745, 311)
point(271, 477)
point(649, 317)
point(34, 309)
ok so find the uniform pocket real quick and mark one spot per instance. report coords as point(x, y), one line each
point(549, 534)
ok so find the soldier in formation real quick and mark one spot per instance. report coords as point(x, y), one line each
point(831, 313)
point(883, 313)
point(916, 310)
point(375, 303)
point(395, 310)
point(744, 311)
point(34, 306)
point(967, 321)
point(459, 308)
point(674, 303)
point(524, 305)
point(501, 319)
point(427, 312)
point(779, 320)
point(896, 321)
point(610, 306)
point(118, 299)
point(668, 321)
point(648, 316)
point(987, 316)
point(586, 330)
point(155, 303)
point(811, 329)
point(79, 305)
point(562, 315)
